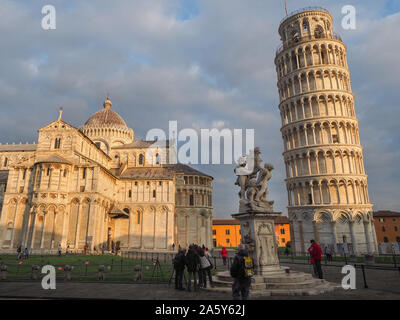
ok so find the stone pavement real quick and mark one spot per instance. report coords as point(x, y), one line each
point(76, 290)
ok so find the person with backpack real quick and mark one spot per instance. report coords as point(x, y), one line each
point(179, 268)
point(207, 270)
point(242, 270)
point(192, 264)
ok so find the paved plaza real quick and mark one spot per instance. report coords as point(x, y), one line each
point(383, 285)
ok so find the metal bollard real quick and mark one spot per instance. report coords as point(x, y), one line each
point(137, 275)
point(3, 271)
point(365, 280)
point(67, 273)
point(101, 275)
point(35, 270)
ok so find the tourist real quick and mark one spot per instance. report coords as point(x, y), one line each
point(200, 253)
point(192, 262)
point(224, 253)
point(19, 252)
point(286, 251)
point(67, 250)
point(241, 271)
point(173, 247)
point(59, 250)
point(179, 268)
point(328, 253)
point(206, 267)
point(315, 257)
point(26, 253)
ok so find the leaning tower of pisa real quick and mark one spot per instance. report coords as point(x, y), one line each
point(326, 181)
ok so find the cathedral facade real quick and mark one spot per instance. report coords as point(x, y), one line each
point(96, 187)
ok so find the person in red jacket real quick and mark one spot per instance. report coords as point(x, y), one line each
point(315, 257)
point(224, 253)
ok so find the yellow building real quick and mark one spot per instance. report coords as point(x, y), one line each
point(226, 232)
point(97, 186)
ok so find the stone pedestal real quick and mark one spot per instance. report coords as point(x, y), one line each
point(258, 235)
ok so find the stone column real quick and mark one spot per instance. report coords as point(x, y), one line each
point(353, 238)
point(316, 234)
point(372, 227)
point(367, 237)
point(302, 247)
point(65, 228)
point(77, 226)
point(91, 227)
point(334, 236)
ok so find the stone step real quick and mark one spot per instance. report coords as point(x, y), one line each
point(290, 278)
point(295, 285)
point(319, 289)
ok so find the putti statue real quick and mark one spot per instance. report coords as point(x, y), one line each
point(252, 178)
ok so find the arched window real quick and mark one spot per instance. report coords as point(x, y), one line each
point(154, 193)
point(9, 231)
point(5, 162)
point(157, 158)
point(57, 143)
point(385, 239)
point(141, 159)
point(319, 32)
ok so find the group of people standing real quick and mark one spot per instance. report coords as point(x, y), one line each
point(198, 263)
point(22, 254)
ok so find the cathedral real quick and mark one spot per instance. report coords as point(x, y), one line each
point(96, 187)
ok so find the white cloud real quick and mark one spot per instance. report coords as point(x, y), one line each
point(215, 69)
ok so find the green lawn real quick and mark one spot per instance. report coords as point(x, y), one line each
point(116, 268)
point(85, 267)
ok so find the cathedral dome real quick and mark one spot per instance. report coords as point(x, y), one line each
point(106, 118)
point(107, 129)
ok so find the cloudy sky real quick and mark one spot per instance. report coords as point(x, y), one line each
point(204, 63)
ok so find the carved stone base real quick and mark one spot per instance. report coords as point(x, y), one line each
point(258, 235)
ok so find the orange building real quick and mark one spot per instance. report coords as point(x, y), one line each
point(387, 226)
point(282, 230)
point(226, 232)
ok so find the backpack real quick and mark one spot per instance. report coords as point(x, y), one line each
point(176, 261)
point(243, 267)
point(248, 267)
